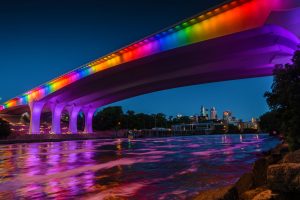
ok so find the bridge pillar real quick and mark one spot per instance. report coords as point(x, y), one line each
point(56, 117)
point(35, 116)
point(73, 115)
point(88, 114)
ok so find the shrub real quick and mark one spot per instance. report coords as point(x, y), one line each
point(4, 129)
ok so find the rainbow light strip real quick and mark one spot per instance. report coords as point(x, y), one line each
point(228, 18)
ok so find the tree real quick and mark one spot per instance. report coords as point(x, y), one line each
point(233, 129)
point(182, 120)
point(4, 129)
point(270, 122)
point(284, 99)
point(161, 120)
point(109, 118)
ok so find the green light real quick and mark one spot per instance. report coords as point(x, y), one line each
point(185, 24)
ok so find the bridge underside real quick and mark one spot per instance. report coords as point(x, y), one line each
point(247, 54)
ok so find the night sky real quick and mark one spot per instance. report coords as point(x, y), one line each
point(40, 40)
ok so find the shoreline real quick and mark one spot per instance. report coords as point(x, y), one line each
point(274, 176)
point(38, 138)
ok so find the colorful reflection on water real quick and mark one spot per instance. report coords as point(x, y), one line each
point(153, 168)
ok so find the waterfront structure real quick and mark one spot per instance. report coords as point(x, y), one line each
point(253, 124)
point(205, 127)
point(237, 39)
point(194, 118)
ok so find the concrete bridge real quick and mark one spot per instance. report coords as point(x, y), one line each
point(235, 40)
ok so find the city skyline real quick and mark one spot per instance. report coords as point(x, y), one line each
point(241, 106)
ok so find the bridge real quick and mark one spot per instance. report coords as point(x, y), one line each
point(237, 39)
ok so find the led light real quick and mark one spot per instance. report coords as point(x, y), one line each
point(193, 21)
point(185, 24)
point(201, 17)
point(205, 27)
point(225, 6)
point(217, 10)
point(233, 3)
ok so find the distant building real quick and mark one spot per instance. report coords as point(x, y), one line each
point(213, 113)
point(207, 127)
point(179, 116)
point(203, 113)
point(227, 116)
point(253, 124)
point(194, 118)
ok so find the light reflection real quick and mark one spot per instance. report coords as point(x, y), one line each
point(159, 167)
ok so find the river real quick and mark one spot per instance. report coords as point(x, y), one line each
point(152, 168)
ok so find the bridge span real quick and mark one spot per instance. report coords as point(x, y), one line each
point(235, 40)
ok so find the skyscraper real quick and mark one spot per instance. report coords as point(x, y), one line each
point(213, 113)
point(227, 116)
point(202, 112)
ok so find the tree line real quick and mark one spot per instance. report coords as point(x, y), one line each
point(115, 118)
point(284, 103)
point(4, 129)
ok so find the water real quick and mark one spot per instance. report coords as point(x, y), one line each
point(153, 168)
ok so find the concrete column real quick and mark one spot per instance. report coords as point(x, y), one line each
point(88, 115)
point(35, 116)
point(56, 109)
point(73, 115)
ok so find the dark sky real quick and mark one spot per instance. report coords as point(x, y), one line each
point(40, 40)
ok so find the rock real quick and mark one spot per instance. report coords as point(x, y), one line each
point(284, 177)
point(293, 157)
point(264, 195)
point(277, 153)
point(244, 183)
point(274, 158)
point(224, 193)
point(250, 194)
point(260, 172)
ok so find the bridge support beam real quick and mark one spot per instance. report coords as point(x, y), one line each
point(35, 117)
point(73, 116)
point(88, 114)
point(56, 117)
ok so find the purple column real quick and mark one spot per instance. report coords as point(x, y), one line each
point(73, 115)
point(56, 116)
point(35, 116)
point(88, 114)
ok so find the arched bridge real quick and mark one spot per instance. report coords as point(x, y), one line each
point(235, 40)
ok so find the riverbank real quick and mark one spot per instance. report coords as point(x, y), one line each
point(32, 138)
point(275, 176)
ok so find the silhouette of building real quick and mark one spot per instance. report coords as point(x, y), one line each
point(227, 116)
point(213, 113)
